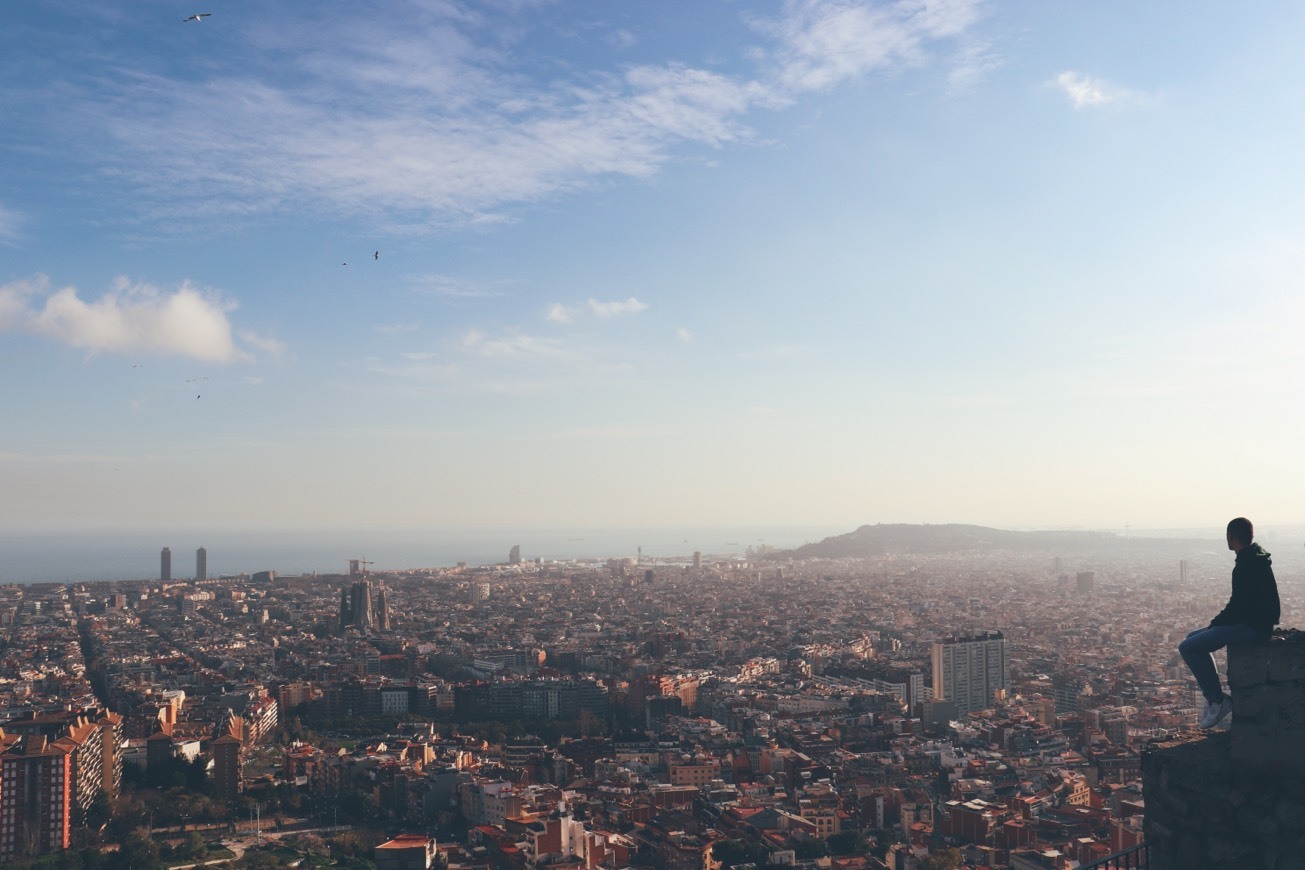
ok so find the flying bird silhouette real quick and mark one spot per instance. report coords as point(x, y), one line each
point(198, 16)
point(376, 255)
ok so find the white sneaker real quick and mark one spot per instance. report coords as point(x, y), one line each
point(1215, 712)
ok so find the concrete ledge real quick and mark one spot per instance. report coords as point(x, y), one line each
point(1267, 682)
point(1203, 810)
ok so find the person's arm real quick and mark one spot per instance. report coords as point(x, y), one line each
point(1232, 611)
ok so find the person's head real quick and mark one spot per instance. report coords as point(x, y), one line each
point(1240, 533)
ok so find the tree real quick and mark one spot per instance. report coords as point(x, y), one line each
point(806, 849)
point(848, 843)
point(139, 853)
point(731, 852)
point(193, 847)
point(357, 804)
point(100, 811)
point(948, 859)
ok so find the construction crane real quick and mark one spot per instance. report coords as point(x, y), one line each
point(354, 567)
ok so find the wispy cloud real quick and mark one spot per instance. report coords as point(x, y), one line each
point(826, 42)
point(9, 223)
point(426, 114)
point(129, 319)
point(517, 344)
point(396, 328)
point(1086, 91)
point(972, 61)
point(559, 313)
point(448, 286)
point(620, 39)
point(684, 335)
point(266, 343)
point(618, 308)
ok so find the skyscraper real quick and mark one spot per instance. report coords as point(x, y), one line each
point(382, 610)
point(967, 671)
point(346, 610)
point(201, 565)
point(360, 601)
point(165, 565)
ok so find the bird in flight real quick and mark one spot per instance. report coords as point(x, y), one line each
point(198, 16)
point(376, 255)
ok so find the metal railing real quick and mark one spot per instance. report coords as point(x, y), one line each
point(1136, 858)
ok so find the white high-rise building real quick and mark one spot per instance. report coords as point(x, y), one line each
point(968, 671)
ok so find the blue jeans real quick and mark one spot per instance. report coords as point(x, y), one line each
point(1196, 650)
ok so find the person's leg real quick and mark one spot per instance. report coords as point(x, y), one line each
point(1197, 648)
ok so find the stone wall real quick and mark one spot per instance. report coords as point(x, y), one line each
point(1235, 800)
point(1267, 684)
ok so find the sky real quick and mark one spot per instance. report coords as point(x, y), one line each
point(513, 263)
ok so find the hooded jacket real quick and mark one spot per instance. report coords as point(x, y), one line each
point(1254, 600)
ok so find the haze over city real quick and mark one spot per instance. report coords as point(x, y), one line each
point(527, 264)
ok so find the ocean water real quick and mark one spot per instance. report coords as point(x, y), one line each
point(73, 555)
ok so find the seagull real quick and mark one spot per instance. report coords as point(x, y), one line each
point(198, 16)
point(376, 255)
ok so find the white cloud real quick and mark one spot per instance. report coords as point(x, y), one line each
point(972, 61)
point(827, 42)
point(621, 39)
point(445, 285)
point(559, 313)
point(128, 319)
point(684, 335)
point(265, 343)
point(9, 221)
point(427, 112)
point(515, 344)
point(619, 308)
point(1087, 91)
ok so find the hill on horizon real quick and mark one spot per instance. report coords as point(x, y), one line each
point(926, 539)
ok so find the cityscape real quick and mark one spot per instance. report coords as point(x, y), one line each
point(590, 435)
point(953, 697)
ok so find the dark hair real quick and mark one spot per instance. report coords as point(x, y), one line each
point(1241, 529)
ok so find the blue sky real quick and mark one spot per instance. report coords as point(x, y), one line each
point(673, 264)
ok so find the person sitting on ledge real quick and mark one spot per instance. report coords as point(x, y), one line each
point(1248, 617)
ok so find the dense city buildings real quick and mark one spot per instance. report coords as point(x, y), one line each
point(699, 711)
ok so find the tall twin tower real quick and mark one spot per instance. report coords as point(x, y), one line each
point(165, 564)
point(357, 609)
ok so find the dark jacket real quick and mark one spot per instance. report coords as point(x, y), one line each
point(1254, 600)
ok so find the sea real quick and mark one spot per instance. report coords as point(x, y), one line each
point(66, 556)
